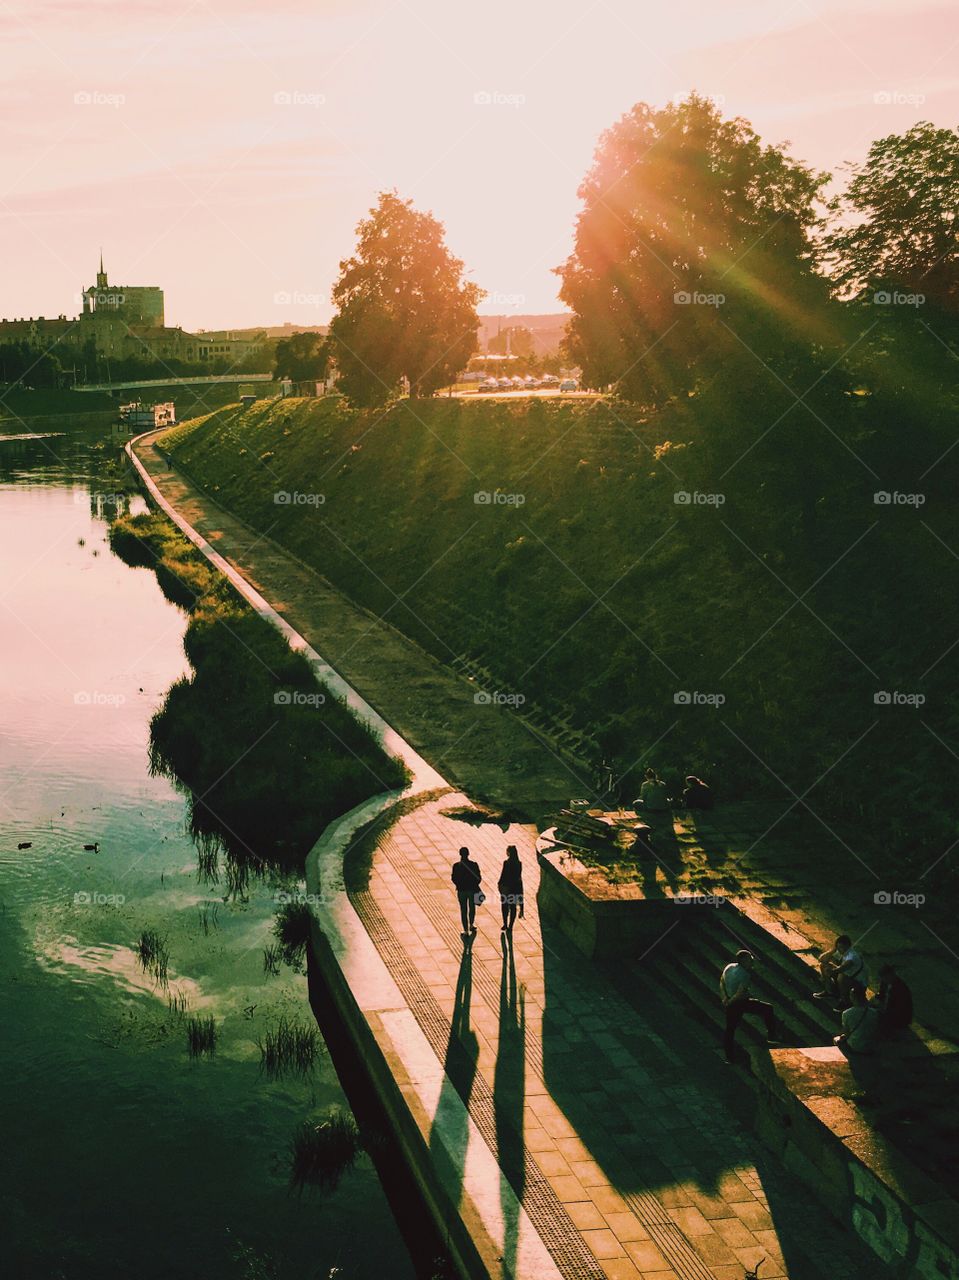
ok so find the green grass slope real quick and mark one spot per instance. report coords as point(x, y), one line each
point(549, 544)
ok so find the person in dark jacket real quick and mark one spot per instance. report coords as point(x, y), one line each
point(894, 1001)
point(467, 878)
point(697, 794)
point(510, 885)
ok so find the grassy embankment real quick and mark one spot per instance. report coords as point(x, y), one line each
point(601, 598)
point(265, 775)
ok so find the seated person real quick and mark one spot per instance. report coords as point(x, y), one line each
point(697, 794)
point(860, 1023)
point(652, 794)
point(894, 1002)
point(839, 969)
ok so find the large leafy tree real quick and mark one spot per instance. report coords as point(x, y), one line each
point(693, 235)
point(404, 309)
point(901, 227)
point(301, 357)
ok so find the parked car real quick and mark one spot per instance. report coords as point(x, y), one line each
point(530, 383)
point(550, 380)
point(489, 384)
point(569, 384)
point(505, 384)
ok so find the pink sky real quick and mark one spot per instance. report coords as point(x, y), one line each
point(225, 150)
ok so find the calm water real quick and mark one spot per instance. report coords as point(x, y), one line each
point(119, 1155)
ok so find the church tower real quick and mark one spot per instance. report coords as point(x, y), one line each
point(101, 274)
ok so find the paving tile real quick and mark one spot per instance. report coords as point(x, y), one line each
point(604, 1244)
point(619, 1269)
point(645, 1255)
point(585, 1216)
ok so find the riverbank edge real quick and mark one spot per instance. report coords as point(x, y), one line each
point(402, 1066)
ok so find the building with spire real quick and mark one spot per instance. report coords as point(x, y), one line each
point(117, 322)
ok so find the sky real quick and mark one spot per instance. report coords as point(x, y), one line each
point(225, 150)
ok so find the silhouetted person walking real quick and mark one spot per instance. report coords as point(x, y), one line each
point(734, 985)
point(467, 878)
point(510, 885)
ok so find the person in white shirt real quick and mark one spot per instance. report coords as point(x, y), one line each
point(839, 969)
point(734, 988)
point(860, 1023)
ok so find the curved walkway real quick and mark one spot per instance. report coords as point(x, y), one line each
point(645, 1166)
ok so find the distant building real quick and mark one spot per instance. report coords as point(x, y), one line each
point(120, 321)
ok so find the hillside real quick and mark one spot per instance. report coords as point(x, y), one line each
point(750, 640)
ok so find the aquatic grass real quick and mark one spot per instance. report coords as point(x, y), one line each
point(177, 1003)
point(201, 1034)
point(153, 956)
point(272, 957)
point(292, 927)
point(289, 1048)
point(208, 913)
point(320, 1154)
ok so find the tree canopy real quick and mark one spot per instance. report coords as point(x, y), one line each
point(404, 309)
point(901, 207)
point(691, 230)
point(302, 357)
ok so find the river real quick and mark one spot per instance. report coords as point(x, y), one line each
point(121, 1155)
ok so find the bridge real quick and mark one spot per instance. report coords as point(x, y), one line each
point(200, 380)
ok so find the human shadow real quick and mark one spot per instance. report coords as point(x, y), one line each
point(449, 1132)
point(509, 1097)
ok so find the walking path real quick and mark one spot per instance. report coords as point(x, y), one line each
point(566, 1131)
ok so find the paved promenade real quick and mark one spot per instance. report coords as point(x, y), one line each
point(576, 1132)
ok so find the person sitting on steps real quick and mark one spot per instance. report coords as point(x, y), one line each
point(894, 1002)
point(839, 969)
point(860, 1023)
point(652, 794)
point(697, 795)
point(734, 985)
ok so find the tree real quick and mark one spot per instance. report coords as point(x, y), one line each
point(903, 206)
point(303, 357)
point(692, 236)
point(404, 309)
